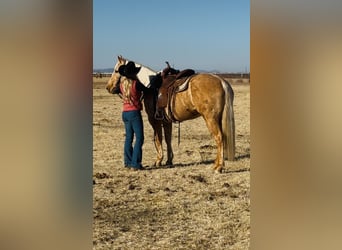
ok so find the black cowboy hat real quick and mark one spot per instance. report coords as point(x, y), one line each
point(129, 69)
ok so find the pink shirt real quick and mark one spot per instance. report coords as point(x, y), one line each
point(135, 103)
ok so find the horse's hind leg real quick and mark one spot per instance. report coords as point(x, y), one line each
point(216, 131)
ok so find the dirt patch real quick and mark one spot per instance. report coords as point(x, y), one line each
point(186, 206)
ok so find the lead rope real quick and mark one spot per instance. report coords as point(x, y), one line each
point(178, 133)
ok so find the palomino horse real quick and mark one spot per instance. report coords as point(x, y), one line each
point(208, 96)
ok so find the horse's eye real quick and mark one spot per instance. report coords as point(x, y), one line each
point(116, 71)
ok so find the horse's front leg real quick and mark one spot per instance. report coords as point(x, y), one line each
point(156, 126)
point(168, 137)
point(158, 138)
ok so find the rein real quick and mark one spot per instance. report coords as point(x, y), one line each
point(179, 133)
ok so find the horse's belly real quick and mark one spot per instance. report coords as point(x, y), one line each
point(186, 115)
point(183, 109)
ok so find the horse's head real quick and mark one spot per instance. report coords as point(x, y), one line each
point(115, 78)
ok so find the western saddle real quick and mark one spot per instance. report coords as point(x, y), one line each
point(172, 81)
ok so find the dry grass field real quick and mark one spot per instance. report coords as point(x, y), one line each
point(186, 206)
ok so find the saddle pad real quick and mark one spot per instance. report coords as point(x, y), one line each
point(145, 76)
point(184, 85)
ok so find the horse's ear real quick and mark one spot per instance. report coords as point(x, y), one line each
point(120, 58)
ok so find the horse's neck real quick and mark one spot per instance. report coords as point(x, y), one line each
point(145, 74)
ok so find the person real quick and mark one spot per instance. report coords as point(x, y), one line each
point(132, 92)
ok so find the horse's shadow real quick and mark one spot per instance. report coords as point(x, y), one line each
point(244, 156)
point(203, 162)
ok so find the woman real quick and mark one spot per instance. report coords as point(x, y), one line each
point(132, 92)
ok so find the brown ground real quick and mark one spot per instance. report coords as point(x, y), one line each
point(187, 206)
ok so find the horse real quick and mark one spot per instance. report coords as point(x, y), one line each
point(206, 95)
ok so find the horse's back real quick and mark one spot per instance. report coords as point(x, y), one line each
point(207, 79)
point(206, 86)
point(212, 85)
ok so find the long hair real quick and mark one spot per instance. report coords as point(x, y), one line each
point(127, 86)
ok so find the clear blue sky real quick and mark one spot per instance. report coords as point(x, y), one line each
point(198, 34)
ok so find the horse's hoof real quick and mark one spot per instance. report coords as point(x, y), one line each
point(168, 164)
point(218, 170)
point(157, 164)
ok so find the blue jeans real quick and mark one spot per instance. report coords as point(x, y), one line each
point(134, 127)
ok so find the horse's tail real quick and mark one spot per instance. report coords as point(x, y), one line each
point(228, 123)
